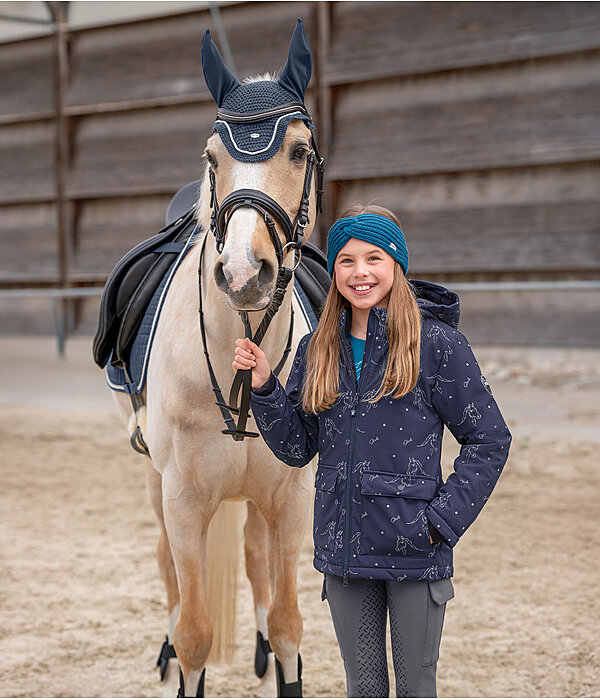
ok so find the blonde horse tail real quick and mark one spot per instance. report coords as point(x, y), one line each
point(222, 561)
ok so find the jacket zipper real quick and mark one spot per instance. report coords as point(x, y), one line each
point(354, 414)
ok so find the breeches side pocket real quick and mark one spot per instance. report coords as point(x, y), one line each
point(438, 594)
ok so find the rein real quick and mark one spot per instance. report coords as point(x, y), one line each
point(271, 212)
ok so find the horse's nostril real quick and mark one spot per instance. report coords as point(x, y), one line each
point(221, 277)
point(266, 275)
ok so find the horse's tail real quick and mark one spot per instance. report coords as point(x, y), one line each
point(222, 559)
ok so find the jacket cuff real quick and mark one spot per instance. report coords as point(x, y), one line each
point(267, 388)
point(441, 527)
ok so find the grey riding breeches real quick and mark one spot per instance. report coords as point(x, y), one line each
point(416, 611)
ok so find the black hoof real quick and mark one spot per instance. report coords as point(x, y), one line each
point(167, 652)
point(289, 690)
point(261, 658)
point(199, 690)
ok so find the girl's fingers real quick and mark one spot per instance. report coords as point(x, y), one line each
point(243, 364)
point(241, 352)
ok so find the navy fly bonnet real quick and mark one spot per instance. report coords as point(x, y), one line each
point(269, 106)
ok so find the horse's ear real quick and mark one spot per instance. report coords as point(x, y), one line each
point(219, 79)
point(296, 73)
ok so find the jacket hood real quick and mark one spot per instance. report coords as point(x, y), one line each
point(437, 302)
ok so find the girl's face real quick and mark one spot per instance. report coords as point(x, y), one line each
point(364, 274)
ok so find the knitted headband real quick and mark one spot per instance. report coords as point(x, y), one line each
point(374, 228)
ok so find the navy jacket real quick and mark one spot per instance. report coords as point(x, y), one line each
point(379, 482)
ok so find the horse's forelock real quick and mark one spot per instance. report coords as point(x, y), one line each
point(262, 76)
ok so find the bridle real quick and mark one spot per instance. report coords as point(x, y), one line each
point(272, 212)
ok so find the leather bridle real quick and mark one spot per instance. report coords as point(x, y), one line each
point(272, 212)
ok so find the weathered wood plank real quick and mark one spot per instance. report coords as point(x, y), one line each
point(490, 118)
point(142, 149)
point(562, 318)
point(507, 221)
point(108, 229)
point(28, 243)
point(161, 57)
point(26, 76)
point(372, 40)
point(27, 161)
point(526, 238)
point(27, 317)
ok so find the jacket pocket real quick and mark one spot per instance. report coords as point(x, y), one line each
point(326, 532)
point(439, 593)
point(394, 522)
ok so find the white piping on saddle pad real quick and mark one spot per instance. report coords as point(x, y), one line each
point(266, 148)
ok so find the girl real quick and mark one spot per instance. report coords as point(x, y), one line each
point(370, 390)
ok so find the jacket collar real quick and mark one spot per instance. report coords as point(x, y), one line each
point(375, 323)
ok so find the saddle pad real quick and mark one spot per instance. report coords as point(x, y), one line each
point(133, 380)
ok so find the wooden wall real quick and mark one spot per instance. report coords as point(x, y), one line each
point(478, 123)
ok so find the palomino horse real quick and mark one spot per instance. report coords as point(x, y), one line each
point(194, 468)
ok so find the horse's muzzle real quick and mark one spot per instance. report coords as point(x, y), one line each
point(256, 292)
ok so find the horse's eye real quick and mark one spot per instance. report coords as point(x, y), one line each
point(300, 153)
point(211, 161)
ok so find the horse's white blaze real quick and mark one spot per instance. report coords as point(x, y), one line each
point(239, 262)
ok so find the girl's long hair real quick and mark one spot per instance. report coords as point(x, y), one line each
point(321, 383)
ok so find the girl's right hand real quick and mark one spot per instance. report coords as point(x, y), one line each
point(249, 356)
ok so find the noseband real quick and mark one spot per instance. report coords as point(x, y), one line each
point(271, 212)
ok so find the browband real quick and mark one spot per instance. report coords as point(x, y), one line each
point(237, 118)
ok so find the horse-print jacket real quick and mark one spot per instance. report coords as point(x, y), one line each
point(379, 482)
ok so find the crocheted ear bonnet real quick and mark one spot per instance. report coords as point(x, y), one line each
point(260, 138)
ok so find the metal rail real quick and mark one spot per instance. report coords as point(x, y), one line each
point(81, 292)
point(58, 296)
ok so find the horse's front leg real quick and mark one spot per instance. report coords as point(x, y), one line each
point(286, 522)
point(186, 518)
point(255, 547)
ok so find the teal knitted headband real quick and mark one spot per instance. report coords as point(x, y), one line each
point(374, 228)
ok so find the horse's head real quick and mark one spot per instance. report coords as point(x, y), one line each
point(260, 163)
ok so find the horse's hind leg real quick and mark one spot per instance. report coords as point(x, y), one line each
point(169, 668)
point(255, 546)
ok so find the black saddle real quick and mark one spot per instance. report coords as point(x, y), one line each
point(136, 276)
